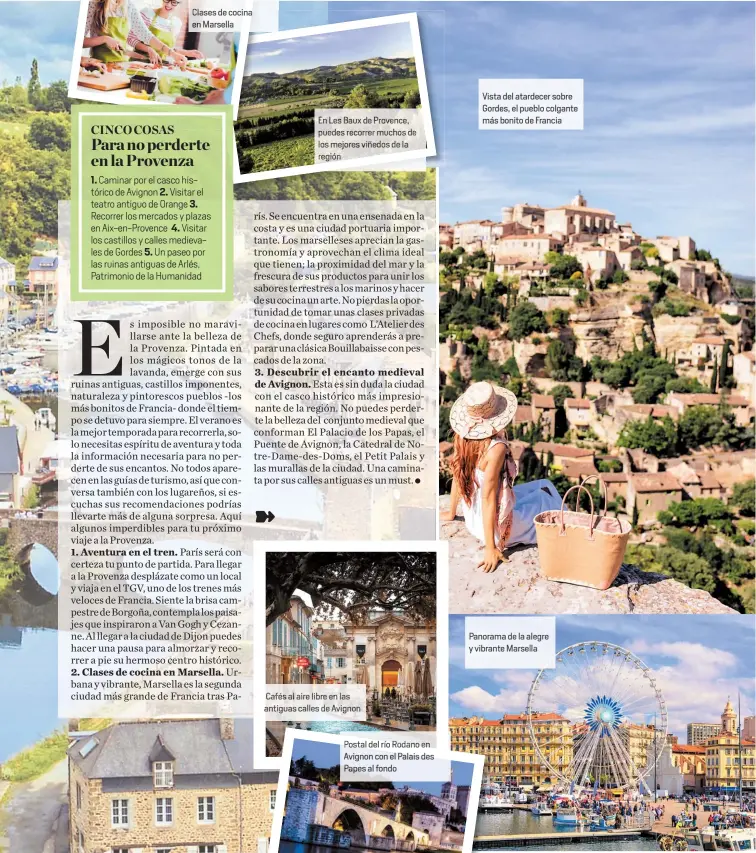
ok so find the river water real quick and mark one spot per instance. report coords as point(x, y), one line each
point(522, 822)
point(28, 662)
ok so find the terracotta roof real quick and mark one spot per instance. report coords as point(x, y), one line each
point(537, 265)
point(579, 468)
point(577, 403)
point(523, 415)
point(543, 401)
point(662, 482)
point(709, 399)
point(698, 749)
point(620, 477)
point(508, 259)
point(582, 209)
point(648, 409)
point(565, 450)
point(709, 481)
point(528, 237)
point(710, 340)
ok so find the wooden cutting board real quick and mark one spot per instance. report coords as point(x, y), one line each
point(105, 82)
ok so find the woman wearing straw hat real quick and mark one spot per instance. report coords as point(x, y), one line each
point(496, 512)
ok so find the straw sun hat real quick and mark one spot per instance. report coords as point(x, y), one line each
point(483, 410)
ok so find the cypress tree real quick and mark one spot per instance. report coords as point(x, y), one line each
point(714, 374)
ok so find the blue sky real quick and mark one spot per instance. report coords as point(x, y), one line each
point(698, 662)
point(669, 139)
point(302, 52)
point(669, 111)
point(45, 30)
point(327, 755)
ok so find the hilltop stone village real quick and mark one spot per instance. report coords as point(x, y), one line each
point(631, 357)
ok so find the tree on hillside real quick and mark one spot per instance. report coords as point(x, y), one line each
point(724, 366)
point(695, 513)
point(34, 89)
point(524, 319)
point(563, 266)
point(744, 497)
point(360, 98)
point(352, 583)
point(658, 438)
point(50, 132)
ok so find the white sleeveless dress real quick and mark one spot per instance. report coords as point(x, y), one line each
point(530, 499)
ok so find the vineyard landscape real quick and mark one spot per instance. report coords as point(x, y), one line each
point(276, 122)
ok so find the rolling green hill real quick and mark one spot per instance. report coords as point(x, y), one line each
point(259, 88)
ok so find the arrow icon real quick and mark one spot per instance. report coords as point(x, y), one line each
point(261, 516)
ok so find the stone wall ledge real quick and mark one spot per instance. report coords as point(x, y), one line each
point(519, 587)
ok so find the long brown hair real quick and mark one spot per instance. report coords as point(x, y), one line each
point(103, 10)
point(467, 454)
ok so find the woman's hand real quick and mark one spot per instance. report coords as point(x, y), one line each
point(194, 54)
point(154, 56)
point(91, 62)
point(112, 43)
point(448, 516)
point(491, 559)
point(178, 58)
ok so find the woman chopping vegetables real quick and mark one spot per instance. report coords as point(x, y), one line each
point(115, 30)
point(164, 24)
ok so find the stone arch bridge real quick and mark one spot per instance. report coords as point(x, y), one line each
point(23, 534)
point(367, 826)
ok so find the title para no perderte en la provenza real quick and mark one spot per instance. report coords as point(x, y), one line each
point(149, 146)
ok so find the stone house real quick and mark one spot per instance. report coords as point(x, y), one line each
point(615, 485)
point(741, 407)
point(602, 261)
point(706, 347)
point(627, 256)
point(577, 218)
point(649, 494)
point(691, 759)
point(541, 410)
point(43, 276)
point(535, 270)
point(697, 483)
point(169, 786)
point(744, 371)
point(7, 274)
point(561, 452)
point(525, 246)
point(577, 470)
point(579, 414)
point(644, 411)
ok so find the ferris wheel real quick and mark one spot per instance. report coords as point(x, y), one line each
point(616, 714)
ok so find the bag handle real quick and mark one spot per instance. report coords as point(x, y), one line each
point(602, 489)
point(605, 493)
point(579, 488)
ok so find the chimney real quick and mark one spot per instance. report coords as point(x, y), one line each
point(227, 728)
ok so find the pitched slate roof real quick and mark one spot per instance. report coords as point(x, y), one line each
point(126, 749)
point(9, 450)
point(38, 263)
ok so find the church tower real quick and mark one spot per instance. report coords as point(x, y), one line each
point(579, 200)
point(729, 720)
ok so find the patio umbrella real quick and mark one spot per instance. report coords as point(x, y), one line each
point(427, 680)
point(418, 686)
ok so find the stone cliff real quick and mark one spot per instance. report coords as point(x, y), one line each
point(518, 586)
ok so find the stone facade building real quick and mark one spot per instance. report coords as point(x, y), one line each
point(510, 755)
point(169, 786)
point(384, 651)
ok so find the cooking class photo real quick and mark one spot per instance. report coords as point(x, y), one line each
point(135, 51)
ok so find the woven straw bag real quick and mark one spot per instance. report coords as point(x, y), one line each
point(575, 547)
